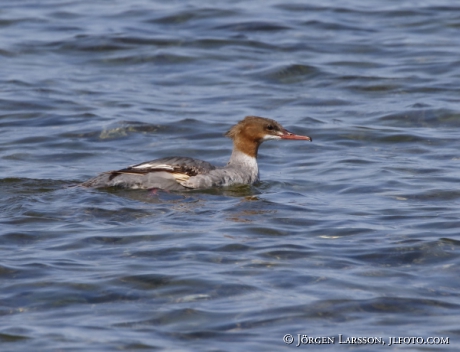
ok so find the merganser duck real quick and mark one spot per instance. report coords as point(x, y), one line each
point(182, 173)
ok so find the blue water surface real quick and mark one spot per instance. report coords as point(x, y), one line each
point(355, 235)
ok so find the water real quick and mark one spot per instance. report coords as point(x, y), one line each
point(355, 234)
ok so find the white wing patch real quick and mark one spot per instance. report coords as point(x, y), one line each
point(180, 177)
point(154, 166)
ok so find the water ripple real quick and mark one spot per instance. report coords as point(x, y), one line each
point(353, 234)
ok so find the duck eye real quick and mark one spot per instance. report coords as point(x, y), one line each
point(270, 127)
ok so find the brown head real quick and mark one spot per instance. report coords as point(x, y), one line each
point(249, 133)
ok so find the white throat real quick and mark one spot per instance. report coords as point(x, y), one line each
point(268, 137)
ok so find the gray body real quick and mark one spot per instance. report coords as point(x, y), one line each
point(180, 173)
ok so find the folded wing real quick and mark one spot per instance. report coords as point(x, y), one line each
point(165, 173)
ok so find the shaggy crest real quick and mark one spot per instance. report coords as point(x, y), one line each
point(268, 124)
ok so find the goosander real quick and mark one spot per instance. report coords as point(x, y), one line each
point(182, 173)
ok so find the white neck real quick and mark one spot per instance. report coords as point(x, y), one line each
point(245, 163)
